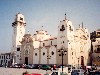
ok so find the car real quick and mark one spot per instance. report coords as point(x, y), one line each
point(77, 71)
point(36, 66)
point(28, 67)
point(32, 66)
point(1, 65)
point(45, 67)
point(94, 73)
point(16, 66)
point(60, 66)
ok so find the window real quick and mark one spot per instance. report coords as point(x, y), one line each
point(52, 53)
point(1, 62)
point(9, 56)
point(70, 28)
point(98, 35)
point(59, 54)
point(43, 53)
point(72, 53)
point(51, 42)
point(4, 56)
point(17, 55)
point(6, 61)
point(18, 49)
point(35, 54)
point(62, 28)
point(21, 18)
point(43, 44)
point(98, 50)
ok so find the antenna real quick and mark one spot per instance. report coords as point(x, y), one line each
point(79, 25)
point(82, 24)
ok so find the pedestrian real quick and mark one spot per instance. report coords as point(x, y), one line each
point(39, 67)
point(51, 68)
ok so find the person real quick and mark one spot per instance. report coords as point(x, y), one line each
point(39, 67)
point(54, 67)
point(51, 68)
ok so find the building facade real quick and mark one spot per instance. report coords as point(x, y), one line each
point(6, 59)
point(42, 48)
point(95, 37)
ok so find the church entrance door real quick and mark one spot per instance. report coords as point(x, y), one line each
point(26, 60)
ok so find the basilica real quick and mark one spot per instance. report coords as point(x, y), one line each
point(42, 48)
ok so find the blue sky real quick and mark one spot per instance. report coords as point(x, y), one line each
point(46, 13)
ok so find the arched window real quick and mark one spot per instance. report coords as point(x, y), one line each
point(52, 53)
point(51, 42)
point(62, 28)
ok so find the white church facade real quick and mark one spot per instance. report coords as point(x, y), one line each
point(42, 48)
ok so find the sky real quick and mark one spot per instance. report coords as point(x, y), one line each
point(46, 13)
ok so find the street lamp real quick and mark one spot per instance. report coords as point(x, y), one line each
point(78, 63)
point(62, 53)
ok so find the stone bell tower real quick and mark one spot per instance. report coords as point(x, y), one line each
point(18, 33)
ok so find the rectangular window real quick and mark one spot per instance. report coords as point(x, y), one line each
point(72, 53)
point(6, 61)
point(1, 62)
point(51, 42)
point(4, 56)
point(43, 44)
point(18, 49)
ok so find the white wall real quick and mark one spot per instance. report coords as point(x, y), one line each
point(53, 57)
point(43, 59)
point(36, 57)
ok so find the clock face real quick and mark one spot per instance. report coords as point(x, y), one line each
point(62, 28)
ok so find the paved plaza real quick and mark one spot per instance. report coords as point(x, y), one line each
point(19, 71)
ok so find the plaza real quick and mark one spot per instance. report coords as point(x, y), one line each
point(19, 71)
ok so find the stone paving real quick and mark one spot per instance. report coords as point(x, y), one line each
point(19, 71)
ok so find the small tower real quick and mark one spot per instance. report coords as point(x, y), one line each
point(18, 30)
point(18, 33)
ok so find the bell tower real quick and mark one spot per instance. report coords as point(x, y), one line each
point(18, 30)
point(65, 40)
point(65, 33)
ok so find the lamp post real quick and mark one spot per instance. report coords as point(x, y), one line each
point(78, 63)
point(62, 53)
